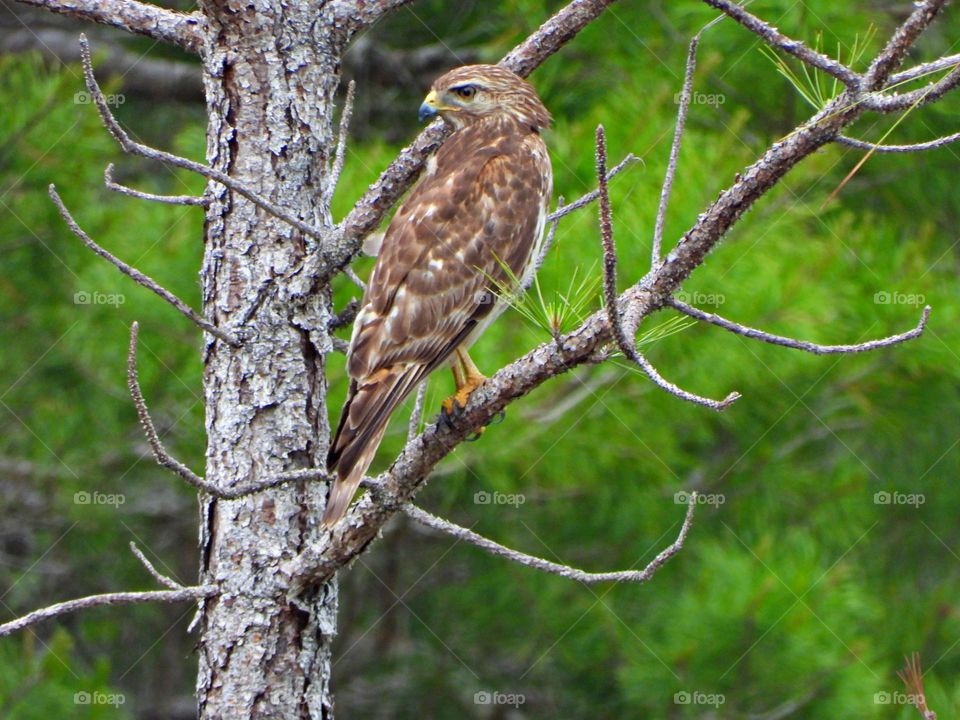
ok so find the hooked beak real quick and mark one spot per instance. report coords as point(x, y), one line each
point(429, 107)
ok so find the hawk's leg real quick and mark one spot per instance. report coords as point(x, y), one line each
point(468, 378)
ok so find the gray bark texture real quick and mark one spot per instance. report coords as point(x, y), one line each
point(270, 73)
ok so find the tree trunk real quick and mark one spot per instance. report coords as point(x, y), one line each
point(271, 70)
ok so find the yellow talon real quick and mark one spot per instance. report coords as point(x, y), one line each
point(468, 378)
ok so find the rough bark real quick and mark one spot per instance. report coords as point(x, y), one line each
point(270, 76)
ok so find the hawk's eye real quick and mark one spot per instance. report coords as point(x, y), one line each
point(466, 91)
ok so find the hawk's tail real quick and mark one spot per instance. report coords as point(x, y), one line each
point(362, 424)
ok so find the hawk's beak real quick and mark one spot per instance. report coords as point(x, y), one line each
point(429, 107)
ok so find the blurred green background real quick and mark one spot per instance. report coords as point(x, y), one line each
point(799, 591)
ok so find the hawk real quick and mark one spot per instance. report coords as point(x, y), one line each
point(472, 226)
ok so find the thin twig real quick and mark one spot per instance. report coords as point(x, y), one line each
point(139, 277)
point(168, 199)
point(354, 278)
point(333, 176)
point(119, 598)
point(413, 424)
point(563, 210)
point(339, 345)
point(809, 347)
point(544, 251)
point(775, 38)
point(944, 63)
point(134, 148)
point(627, 347)
point(878, 102)
point(346, 316)
point(667, 187)
point(899, 44)
point(162, 579)
point(914, 147)
point(572, 573)
point(166, 460)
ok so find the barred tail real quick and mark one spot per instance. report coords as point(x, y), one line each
point(362, 424)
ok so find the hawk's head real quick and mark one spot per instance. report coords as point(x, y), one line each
point(474, 92)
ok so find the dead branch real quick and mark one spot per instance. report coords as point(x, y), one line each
point(628, 347)
point(344, 317)
point(809, 347)
point(571, 573)
point(564, 210)
point(774, 38)
point(924, 69)
point(393, 182)
point(164, 459)
point(128, 145)
point(413, 424)
point(914, 147)
point(933, 92)
point(333, 176)
point(135, 17)
point(118, 598)
point(667, 187)
point(160, 578)
point(139, 277)
point(168, 199)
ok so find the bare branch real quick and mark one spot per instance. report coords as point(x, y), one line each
point(168, 199)
point(900, 43)
point(914, 147)
point(119, 598)
point(134, 148)
point(564, 210)
point(924, 69)
point(879, 102)
point(667, 187)
point(139, 277)
point(333, 177)
point(354, 278)
point(370, 209)
point(413, 424)
point(775, 38)
point(571, 573)
point(544, 249)
point(628, 347)
point(162, 579)
point(135, 17)
point(345, 317)
point(809, 347)
point(340, 345)
point(166, 460)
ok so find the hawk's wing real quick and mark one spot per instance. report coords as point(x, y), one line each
point(480, 208)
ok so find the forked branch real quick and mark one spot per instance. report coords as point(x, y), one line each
point(571, 573)
point(626, 345)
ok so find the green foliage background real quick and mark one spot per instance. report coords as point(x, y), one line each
point(797, 594)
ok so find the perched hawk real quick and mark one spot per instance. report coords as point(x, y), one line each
point(480, 207)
